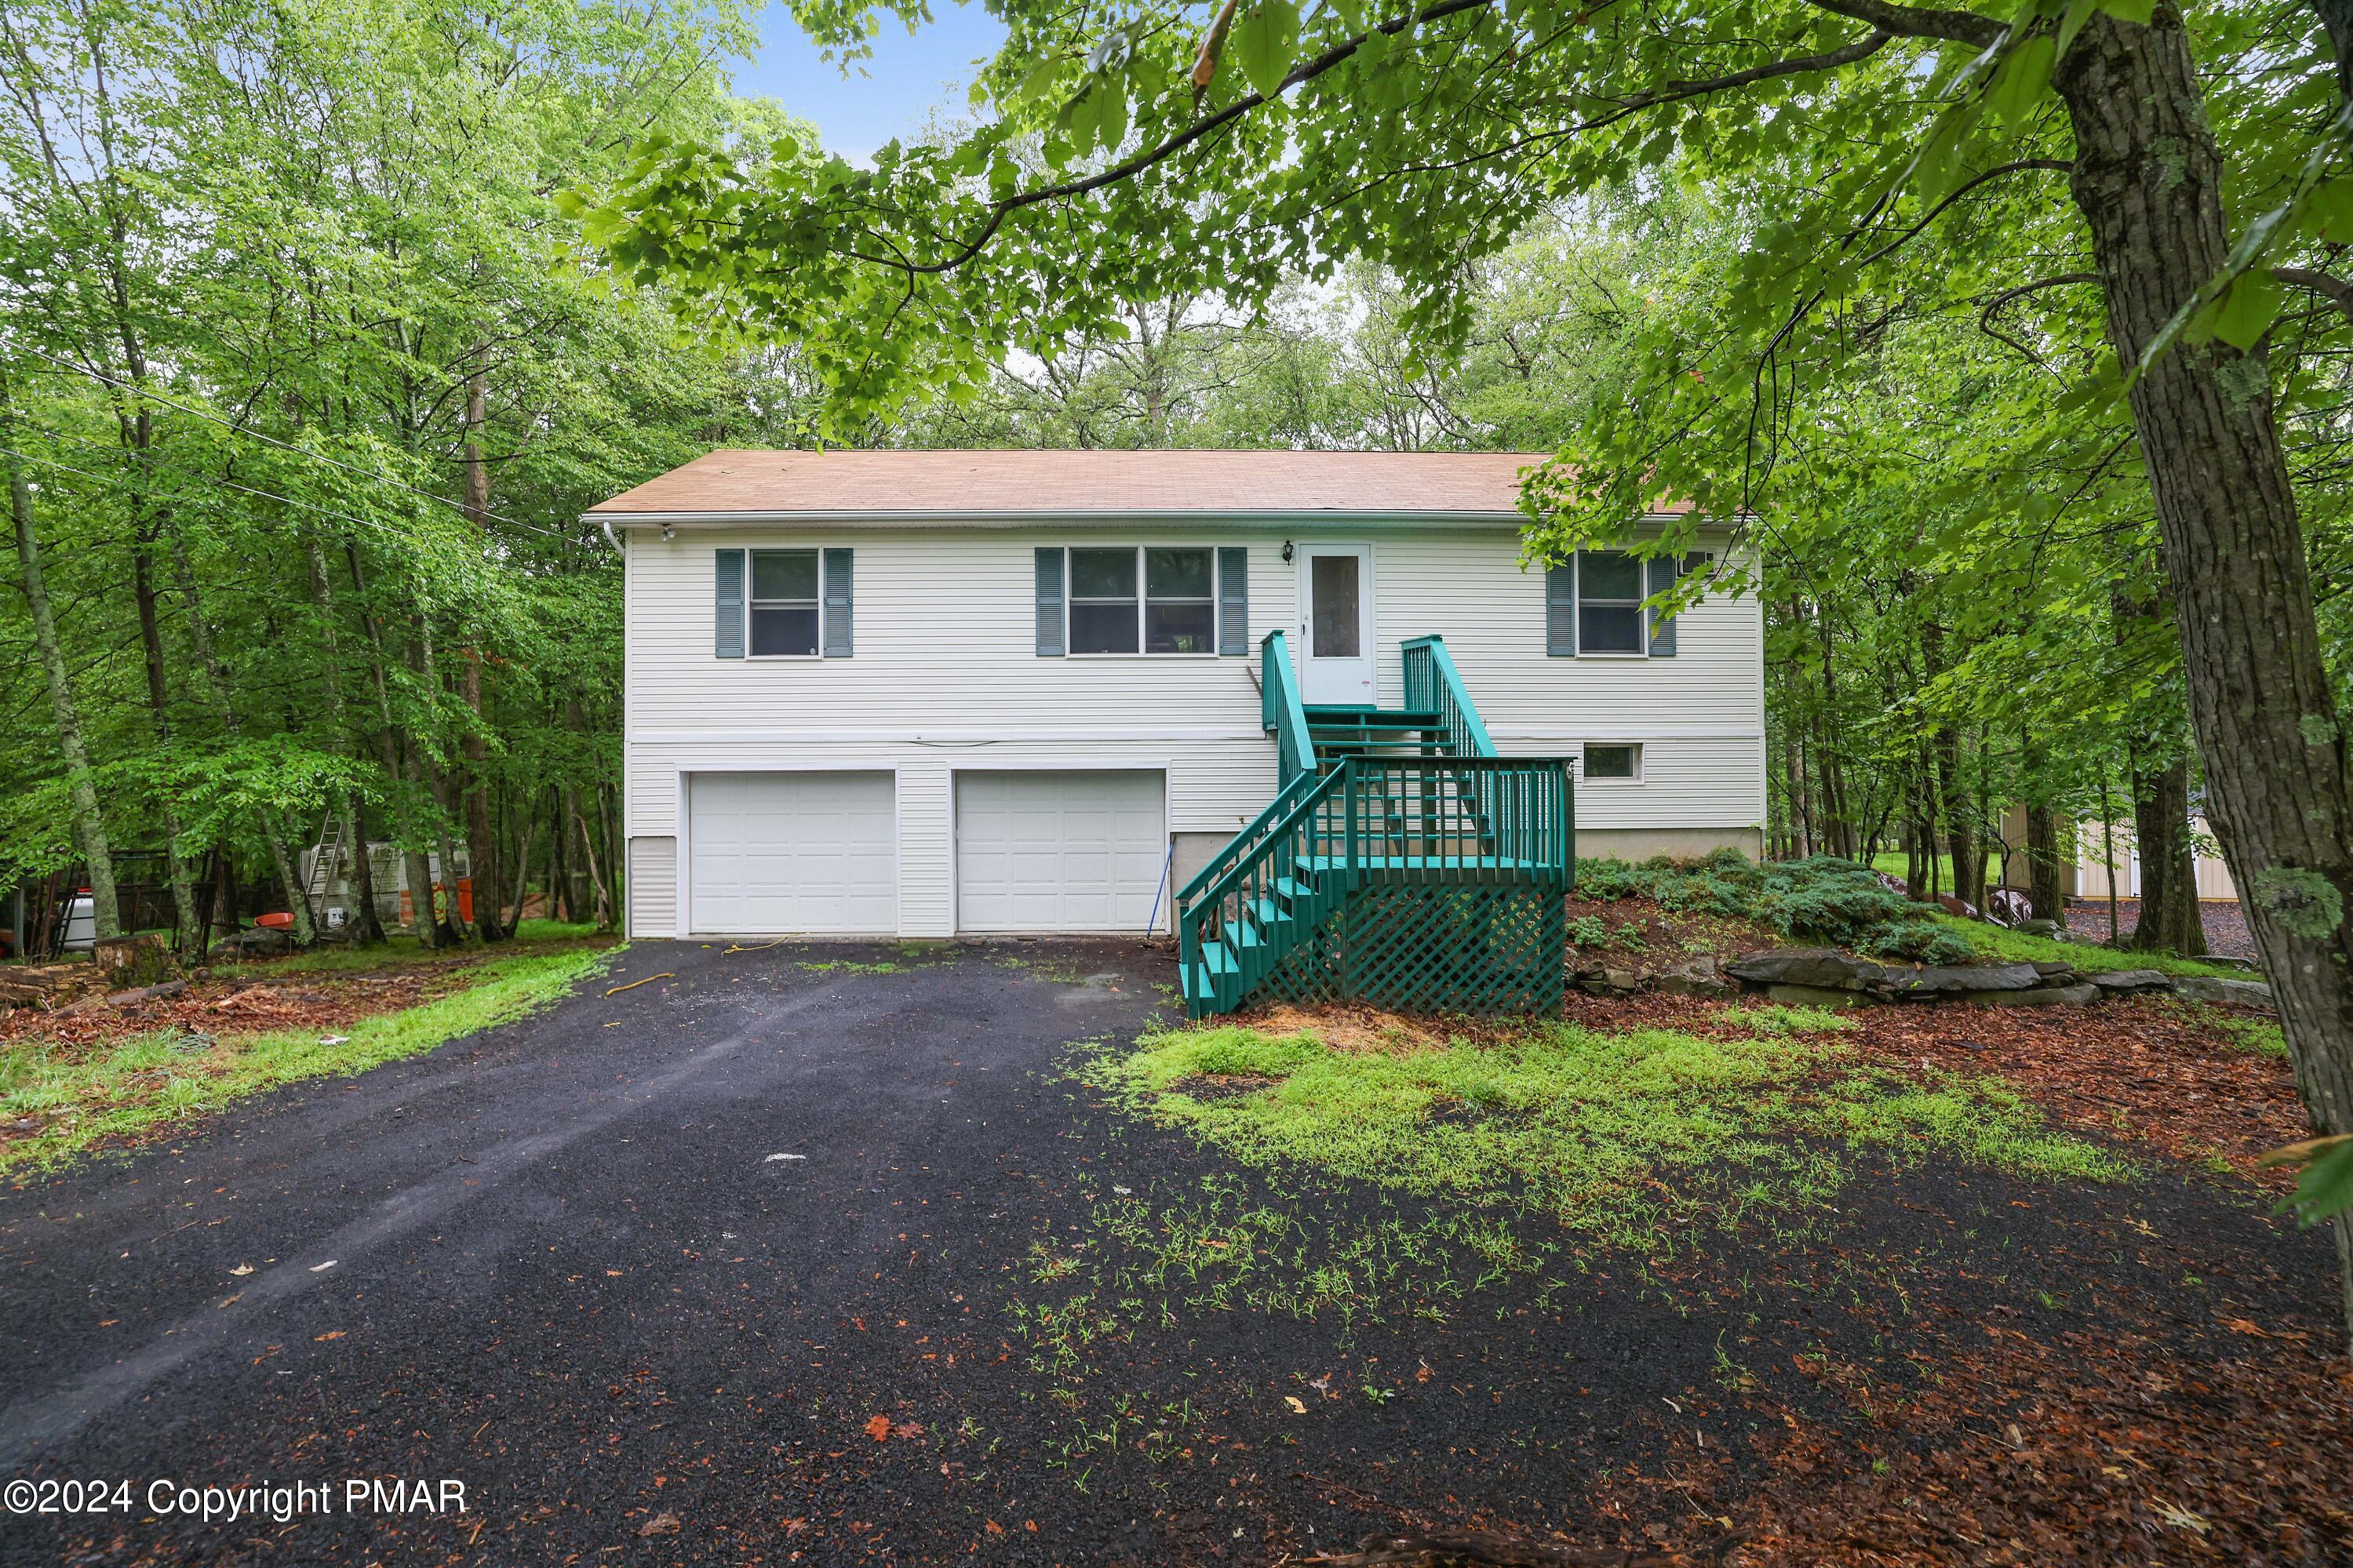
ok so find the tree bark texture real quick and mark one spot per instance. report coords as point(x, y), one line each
point(89, 822)
point(481, 839)
point(2168, 872)
point(2046, 887)
point(2148, 179)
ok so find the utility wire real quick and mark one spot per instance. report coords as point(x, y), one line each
point(236, 429)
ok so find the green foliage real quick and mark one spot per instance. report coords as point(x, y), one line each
point(1822, 898)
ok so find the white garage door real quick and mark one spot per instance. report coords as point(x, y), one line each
point(792, 852)
point(1058, 851)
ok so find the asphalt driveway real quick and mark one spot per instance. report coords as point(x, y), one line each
point(601, 1266)
point(810, 1254)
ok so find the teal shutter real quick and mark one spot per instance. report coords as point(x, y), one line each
point(837, 604)
point(1560, 609)
point(1664, 572)
point(1233, 600)
point(1050, 603)
point(727, 610)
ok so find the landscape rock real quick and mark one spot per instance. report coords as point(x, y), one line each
point(1956, 979)
point(1821, 968)
point(1610, 981)
point(2040, 927)
point(2131, 982)
point(2039, 996)
point(254, 941)
point(2230, 992)
point(1693, 977)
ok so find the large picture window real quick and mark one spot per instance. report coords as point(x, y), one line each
point(784, 603)
point(1144, 599)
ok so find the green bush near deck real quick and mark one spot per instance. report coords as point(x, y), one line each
point(1822, 898)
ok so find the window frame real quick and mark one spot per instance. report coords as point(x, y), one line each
point(1213, 602)
point(1584, 749)
point(816, 604)
point(1584, 600)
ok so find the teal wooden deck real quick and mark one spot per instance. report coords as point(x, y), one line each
point(1402, 861)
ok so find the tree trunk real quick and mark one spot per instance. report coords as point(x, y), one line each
point(1960, 823)
point(89, 822)
point(2046, 889)
point(481, 840)
point(2168, 872)
point(2148, 179)
point(415, 871)
point(190, 924)
point(365, 928)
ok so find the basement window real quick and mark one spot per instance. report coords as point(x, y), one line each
point(1613, 761)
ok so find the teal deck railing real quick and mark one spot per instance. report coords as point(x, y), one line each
point(1284, 715)
point(1432, 684)
point(1389, 821)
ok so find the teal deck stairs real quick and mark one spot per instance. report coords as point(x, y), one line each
point(1402, 861)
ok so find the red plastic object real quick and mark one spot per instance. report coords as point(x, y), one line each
point(280, 921)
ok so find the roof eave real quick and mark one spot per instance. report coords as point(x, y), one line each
point(1096, 516)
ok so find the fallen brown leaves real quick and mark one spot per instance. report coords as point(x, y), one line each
point(322, 1002)
point(2155, 1071)
point(2095, 1448)
point(2148, 1070)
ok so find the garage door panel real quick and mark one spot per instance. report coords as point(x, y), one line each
point(1059, 851)
point(793, 852)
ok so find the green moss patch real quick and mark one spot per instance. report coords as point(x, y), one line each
point(1616, 1134)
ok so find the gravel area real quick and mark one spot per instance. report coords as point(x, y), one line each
point(2225, 923)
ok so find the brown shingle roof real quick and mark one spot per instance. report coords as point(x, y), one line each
point(1019, 483)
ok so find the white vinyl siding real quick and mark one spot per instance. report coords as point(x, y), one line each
point(919, 701)
point(1058, 850)
point(792, 852)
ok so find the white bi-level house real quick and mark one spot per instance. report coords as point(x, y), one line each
point(938, 693)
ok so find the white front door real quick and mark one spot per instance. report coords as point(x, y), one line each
point(1059, 851)
point(776, 853)
point(1336, 625)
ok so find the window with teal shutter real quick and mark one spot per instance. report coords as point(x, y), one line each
point(837, 604)
point(1049, 602)
point(1560, 609)
point(727, 611)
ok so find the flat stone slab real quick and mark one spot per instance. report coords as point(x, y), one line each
point(1828, 969)
point(2214, 988)
point(2131, 982)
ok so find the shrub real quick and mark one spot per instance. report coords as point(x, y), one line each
point(1823, 899)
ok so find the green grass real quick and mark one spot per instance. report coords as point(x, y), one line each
point(1998, 943)
point(1635, 1136)
point(154, 1080)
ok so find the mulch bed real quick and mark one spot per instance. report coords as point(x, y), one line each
point(2149, 1071)
point(2096, 1448)
point(302, 1001)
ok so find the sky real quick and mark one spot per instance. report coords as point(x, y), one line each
point(903, 82)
